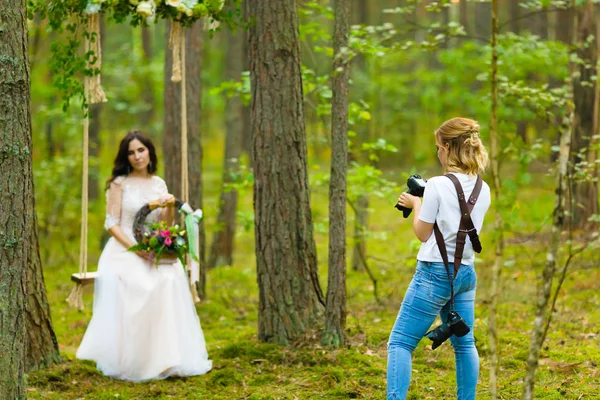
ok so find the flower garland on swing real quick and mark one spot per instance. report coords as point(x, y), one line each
point(184, 11)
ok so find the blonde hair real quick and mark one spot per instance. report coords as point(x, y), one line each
point(466, 152)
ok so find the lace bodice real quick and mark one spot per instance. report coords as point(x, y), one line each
point(126, 195)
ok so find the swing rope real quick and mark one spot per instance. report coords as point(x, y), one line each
point(177, 43)
point(93, 93)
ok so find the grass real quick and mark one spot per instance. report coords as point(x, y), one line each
point(247, 369)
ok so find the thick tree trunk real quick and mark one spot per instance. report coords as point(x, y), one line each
point(585, 192)
point(291, 301)
point(223, 241)
point(172, 136)
point(335, 313)
point(18, 241)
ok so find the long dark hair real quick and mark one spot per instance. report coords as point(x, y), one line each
point(122, 165)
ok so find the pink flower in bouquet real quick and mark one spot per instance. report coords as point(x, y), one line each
point(165, 234)
point(168, 241)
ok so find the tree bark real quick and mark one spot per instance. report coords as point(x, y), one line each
point(147, 88)
point(246, 111)
point(483, 12)
point(290, 297)
point(94, 138)
point(515, 12)
point(499, 242)
point(172, 136)
point(463, 12)
point(223, 241)
point(335, 312)
point(18, 241)
point(585, 192)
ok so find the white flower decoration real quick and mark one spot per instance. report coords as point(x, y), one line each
point(146, 8)
point(173, 3)
point(92, 8)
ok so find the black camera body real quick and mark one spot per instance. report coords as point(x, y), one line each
point(455, 325)
point(416, 187)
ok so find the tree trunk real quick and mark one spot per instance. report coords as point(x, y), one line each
point(361, 222)
point(291, 301)
point(18, 241)
point(499, 259)
point(483, 12)
point(147, 88)
point(335, 313)
point(246, 112)
point(539, 24)
point(94, 138)
point(585, 192)
point(564, 30)
point(223, 241)
point(463, 12)
point(515, 13)
point(172, 136)
point(560, 194)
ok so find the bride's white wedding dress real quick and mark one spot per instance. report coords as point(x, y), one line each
point(144, 324)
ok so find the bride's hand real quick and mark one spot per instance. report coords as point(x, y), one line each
point(145, 255)
point(166, 199)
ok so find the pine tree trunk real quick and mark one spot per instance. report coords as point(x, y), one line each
point(18, 241)
point(585, 192)
point(560, 194)
point(147, 116)
point(335, 313)
point(246, 112)
point(223, 241)
point(290, 301)
point(499, 242)
point(361, 222)
point(172, 136)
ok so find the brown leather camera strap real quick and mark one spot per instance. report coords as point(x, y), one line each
point(465, 228)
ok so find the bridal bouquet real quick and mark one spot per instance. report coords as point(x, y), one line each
point(162, 241)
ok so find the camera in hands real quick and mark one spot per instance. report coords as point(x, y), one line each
point(416, 187)
point(455, 325)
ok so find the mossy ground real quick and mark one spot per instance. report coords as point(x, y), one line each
point(247, 369)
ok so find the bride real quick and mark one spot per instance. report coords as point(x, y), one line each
point(144, 324)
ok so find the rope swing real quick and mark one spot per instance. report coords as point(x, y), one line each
point(93, 93)
point(177, 45)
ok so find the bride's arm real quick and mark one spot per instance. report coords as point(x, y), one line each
point(113, 214)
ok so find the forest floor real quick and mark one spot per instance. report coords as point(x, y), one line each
point(244, 368)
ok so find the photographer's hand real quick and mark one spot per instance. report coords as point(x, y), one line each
point(408, 200)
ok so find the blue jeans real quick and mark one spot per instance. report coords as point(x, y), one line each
point(427, 296)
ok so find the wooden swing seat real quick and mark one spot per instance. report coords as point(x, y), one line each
point(84, 278)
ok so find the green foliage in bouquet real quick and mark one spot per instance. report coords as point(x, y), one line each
point(162, 241)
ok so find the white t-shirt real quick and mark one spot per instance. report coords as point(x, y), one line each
point(440, 203)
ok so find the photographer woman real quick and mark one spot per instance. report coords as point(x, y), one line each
point(430, 292)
